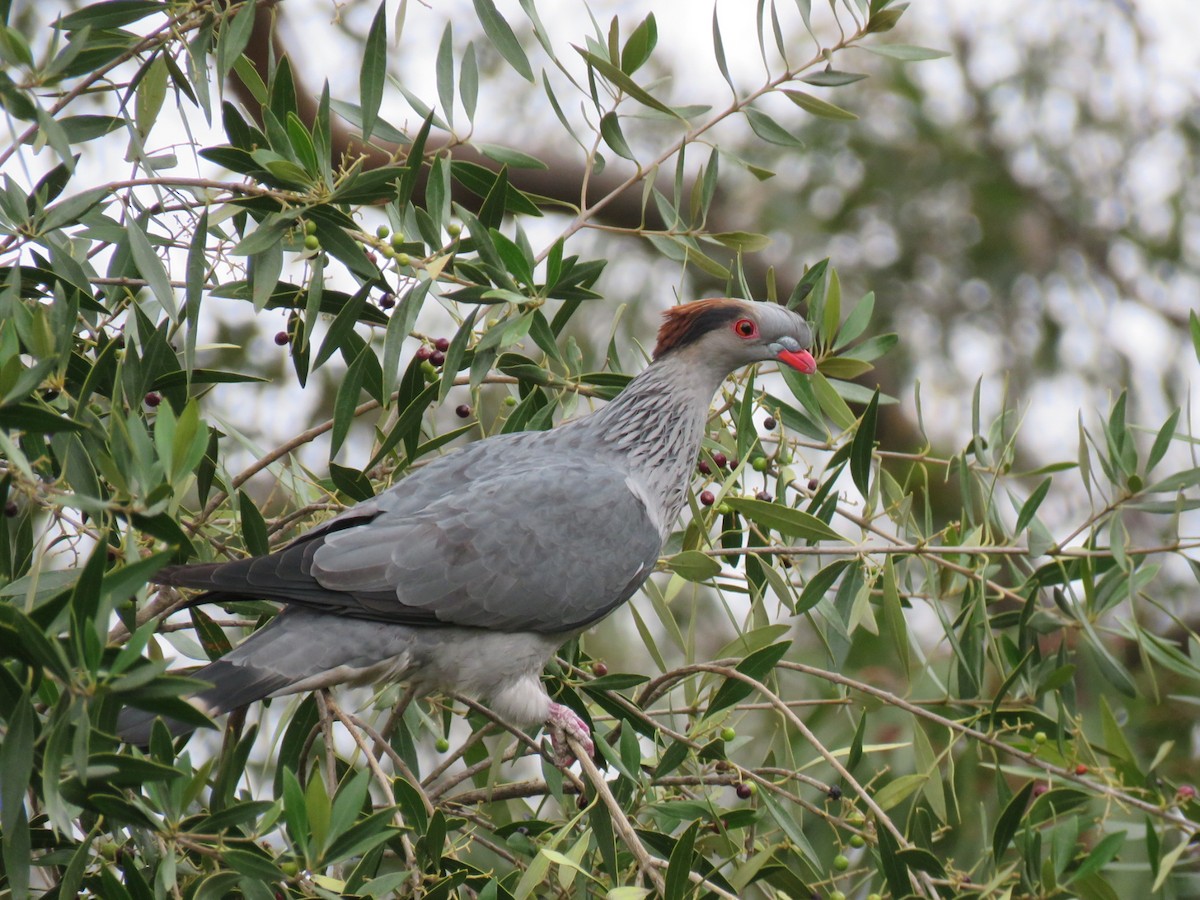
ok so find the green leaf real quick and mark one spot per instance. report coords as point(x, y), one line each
point(620, 80)
point(757, 665)
point(677, 884)
point(110, 14)
point(30, 418)
point(818, 107)
point(863, 447)
point(1009, 821)
point(468, 81)
point(693, 565)
point(1030, 507)
point(892, 866)
point(373, 70)
point(640, 45)
point(832, 78)
point(444, 69)
point(903, 52)
point(785, 519)
point(610, 130)
point(501, 35)
point(151, 268)
point(254, 528)
point(347, 399)
point(770, 130)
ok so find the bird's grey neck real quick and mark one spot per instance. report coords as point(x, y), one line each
point(657, 422)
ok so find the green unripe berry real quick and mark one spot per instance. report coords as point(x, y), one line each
point(855, 818)
point(312, 242)
point(1039, 738)
point(724, 508)
point(759, 464)
point(836, 895)
point(397, 241)
point(454, 229)
point(841, 863)
point(428, 370)
point(402, 259)
point(310, 227)
point(784, 456)
point(510, 400)
point(387, 251)
point(441, 745)
point(857, 840)
point(728, 733)
point(382, 231)
point(874, 897)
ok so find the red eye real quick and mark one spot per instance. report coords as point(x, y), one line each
point(746, 328)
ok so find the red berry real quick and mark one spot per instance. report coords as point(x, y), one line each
point(599, 669)
point(463, 411)
point(769, 423)
point(1038, 789)
point(704, 468)
point(423, 353)
point(1186, 792)
point(281, 338)
point(152, 399)
point(441, 344)
point(720, 459)
point(707, 498)
point(1081, 769)
point(437, 357)
point(744, 790)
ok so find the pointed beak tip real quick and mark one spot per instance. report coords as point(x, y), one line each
point(800, 360)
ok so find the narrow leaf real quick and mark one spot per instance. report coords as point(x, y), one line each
point(373, 70)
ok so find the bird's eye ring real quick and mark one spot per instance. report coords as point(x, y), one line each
point(745, 328)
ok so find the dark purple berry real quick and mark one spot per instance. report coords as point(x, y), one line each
point(707, 498)
point(281, 338)
point(49, 394)
point(437, 357)
point(387, 301)
point(11, 509)
point(763, 495)
point(744, 790)
point(720, 460)
point(813, 484)
point(463, 411)
point(423, 353)
point(441, 344)
point(599, 669)
point(152, 399)
point(704, 468)
point(734, 463)
point(835, 792)
point(769, 423)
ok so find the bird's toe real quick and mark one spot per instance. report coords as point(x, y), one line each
point(566, 727)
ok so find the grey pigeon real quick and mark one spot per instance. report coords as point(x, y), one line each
point(468, 574)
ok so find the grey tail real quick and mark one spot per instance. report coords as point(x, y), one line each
point(233, 685)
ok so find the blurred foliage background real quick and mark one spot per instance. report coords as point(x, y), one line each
point(987, 687)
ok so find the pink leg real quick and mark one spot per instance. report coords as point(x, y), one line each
point(564, 725)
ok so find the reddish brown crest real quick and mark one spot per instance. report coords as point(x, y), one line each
point(688, 322)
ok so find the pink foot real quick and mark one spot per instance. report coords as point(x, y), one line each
point(563, 726)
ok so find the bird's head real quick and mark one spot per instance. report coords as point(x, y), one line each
point(735, 333)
